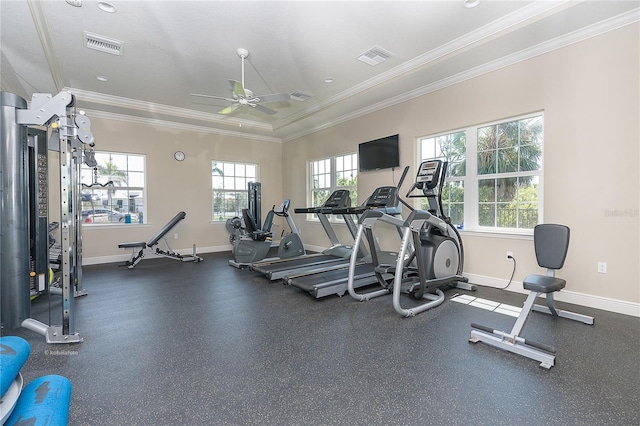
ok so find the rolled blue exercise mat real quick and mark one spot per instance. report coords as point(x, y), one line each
point(43, 402)
point(14, 352)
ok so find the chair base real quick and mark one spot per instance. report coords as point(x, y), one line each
point(512, 341)
point(513, 344)
point(564, 314)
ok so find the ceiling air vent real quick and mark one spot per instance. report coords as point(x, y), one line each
point(300, 96)
point(375, 55)
point(102, 43)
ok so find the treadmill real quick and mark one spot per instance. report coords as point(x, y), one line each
point(336, 256)
point(319, 284)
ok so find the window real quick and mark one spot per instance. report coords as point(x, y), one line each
point(494, 176)
point(122, 202)
point(509, 161)
point(330, 174)
point(451, 148)
point(229, 185)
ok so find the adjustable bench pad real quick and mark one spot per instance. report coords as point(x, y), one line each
point(134, 244)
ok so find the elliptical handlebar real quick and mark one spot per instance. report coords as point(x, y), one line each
point(283, 210)
point(404, 175)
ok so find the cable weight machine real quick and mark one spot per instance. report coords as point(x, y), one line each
point(25, 207)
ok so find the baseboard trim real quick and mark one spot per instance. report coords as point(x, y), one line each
point(598, 302)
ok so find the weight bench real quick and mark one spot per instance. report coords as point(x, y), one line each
point(139, 249)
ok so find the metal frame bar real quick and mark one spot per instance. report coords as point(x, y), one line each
point(512, 341)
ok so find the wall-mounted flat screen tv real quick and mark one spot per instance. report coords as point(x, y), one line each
point(377, 154)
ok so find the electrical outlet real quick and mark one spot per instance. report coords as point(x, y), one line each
point(175, 236)
point(509, 255)
point(602, 267)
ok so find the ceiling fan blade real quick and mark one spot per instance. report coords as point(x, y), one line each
point(265, 99)
point(264, 109)
point(237, 88)
point(229, 109)
point(212, 97)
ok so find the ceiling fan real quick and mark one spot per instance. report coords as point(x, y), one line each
point(241, 96)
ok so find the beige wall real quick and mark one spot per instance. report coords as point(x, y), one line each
point(589, 93)
point(174, 186)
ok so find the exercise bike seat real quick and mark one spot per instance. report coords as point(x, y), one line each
point(251, 227)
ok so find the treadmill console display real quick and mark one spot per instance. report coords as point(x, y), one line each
point(382, 196)
point(339, 198)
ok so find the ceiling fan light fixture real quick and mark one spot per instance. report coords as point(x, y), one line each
point(106, 7)
point(470, 4)
point(243, 97)
point(243, 53)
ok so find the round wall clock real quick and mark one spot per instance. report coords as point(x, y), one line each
point(179, 155)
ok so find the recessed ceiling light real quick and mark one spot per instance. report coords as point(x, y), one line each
point(101, 78)
point(470, 4)
point(76, 3)
point(328, 80)
point(106, 7)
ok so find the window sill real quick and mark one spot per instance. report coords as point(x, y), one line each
point(499, 233)
point(115, 225)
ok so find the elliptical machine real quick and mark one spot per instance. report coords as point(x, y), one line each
point(431, 254)
point(437, 246)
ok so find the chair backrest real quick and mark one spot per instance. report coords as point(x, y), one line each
point(551, 243)
point(249, 221)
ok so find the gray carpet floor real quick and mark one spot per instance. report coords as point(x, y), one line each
point(171, 343)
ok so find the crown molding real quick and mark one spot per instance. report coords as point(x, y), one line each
point(42, 28)
point(176, 125)
point(150, 107)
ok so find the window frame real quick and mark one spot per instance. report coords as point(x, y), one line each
point(333, 176)
point(139, 216)
point(239, 198)
point(472, 178)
